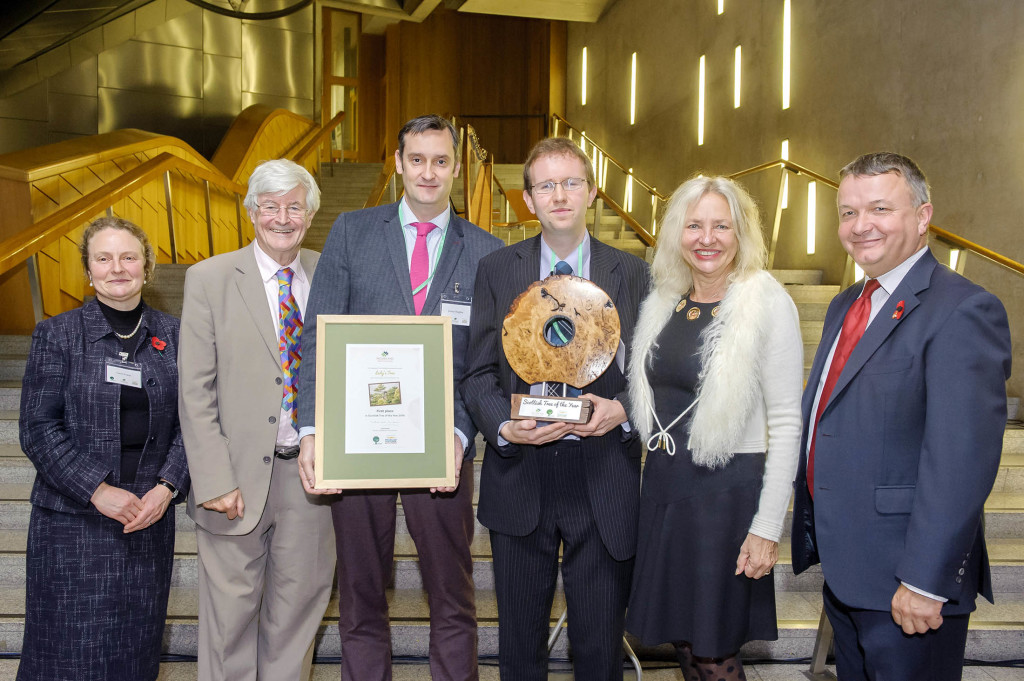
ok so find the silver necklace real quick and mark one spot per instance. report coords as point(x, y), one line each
point(134, 331)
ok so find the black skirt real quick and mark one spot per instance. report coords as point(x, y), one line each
point(692, 523)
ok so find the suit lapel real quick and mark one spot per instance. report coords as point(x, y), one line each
point(250, 287)
point(885, 322)
point(604, 271)
point(451, 251)
point(394, 242)
point(524, 268)
point(833, 326)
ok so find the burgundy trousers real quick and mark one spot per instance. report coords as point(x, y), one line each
point(441, 525)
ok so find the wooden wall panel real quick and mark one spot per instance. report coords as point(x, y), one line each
point(492, 71)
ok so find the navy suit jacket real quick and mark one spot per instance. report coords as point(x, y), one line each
point(70, 416)
point(908, 445)
point(510, 478)
point(364, 270)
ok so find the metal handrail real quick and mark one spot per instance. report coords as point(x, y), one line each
point(23, 245)
point(318, 138)
point(650, 190)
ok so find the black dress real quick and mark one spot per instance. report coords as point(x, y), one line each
point(693, 521)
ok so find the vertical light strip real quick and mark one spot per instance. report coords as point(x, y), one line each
point(721, 6)
point(785, 177)
point(632, 91)
point(812, 213)
point(583, 79)
point(858, 273)
point(737, 77)
point(628, 199)
point(787, 41)
point(954, 257)
point(700, 104)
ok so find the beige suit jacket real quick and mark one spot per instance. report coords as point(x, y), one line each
point(229, 398)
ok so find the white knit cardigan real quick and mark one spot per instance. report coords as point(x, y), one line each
point(748, 394)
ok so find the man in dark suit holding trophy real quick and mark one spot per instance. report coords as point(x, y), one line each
point(546, 487)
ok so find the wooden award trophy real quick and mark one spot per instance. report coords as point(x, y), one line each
point(563, 330)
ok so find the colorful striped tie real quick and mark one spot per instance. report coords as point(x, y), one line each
point(288, 341)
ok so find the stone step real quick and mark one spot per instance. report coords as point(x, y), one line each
point(16, 345)
point(798, 614)
point(808, 293)
point(809, 277)
point(10, 395)
point(12, 366)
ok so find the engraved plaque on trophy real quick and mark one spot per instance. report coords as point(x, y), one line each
point(561, 331)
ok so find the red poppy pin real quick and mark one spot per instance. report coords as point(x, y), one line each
point(159, 344)
point(898, 314)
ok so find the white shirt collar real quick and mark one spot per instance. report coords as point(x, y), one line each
point(407, 217)
point(891, 279)
point(269, 267)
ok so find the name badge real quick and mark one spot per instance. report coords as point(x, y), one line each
point(123, 373)
point(457, 307)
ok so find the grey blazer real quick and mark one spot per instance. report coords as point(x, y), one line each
point(229, 399)
point(365, 270)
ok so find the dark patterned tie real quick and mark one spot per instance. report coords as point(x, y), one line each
point(563, 331)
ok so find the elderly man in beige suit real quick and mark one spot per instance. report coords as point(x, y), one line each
point(266, 548)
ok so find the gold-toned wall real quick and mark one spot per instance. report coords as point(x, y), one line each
point(173, 69)
point(941, 81)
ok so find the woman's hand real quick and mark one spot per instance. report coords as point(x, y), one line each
point(757, 556)
point(116, 503)
point(154, 505)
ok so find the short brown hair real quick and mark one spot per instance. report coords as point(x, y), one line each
point(109, 222)
point(883, 162)
point(556, 146)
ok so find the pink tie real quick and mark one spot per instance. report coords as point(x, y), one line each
point(419, 269)
point(854, 324)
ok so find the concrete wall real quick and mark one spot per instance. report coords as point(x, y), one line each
point(168, 67)
point(941, 81)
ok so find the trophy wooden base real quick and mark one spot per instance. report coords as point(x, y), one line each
point(541, 408)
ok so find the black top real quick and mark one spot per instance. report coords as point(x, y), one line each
point(134, 401)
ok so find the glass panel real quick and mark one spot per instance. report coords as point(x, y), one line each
point(343, 98)
point(344, 44)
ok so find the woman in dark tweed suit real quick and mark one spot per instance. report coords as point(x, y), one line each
point(99, 421)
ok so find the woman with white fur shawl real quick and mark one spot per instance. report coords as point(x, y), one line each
point(715, 379)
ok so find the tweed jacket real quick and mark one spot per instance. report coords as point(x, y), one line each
point(70, 416)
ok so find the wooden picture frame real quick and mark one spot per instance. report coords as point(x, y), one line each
point(385, 414)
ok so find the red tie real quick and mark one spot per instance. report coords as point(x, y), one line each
point(419, 268)
point(853, 328)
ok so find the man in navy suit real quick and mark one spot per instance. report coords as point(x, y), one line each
point(904, 430)
point(367, 268)
point(545, 487)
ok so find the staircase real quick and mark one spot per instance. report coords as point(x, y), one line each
point(997, 631)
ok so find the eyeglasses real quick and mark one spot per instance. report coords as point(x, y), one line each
point(569, 184)
point(272, 210)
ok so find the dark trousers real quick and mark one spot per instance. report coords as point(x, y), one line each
point(526, 570)
point(869, 646)
point(442, 527)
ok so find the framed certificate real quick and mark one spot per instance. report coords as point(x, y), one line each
point(385, 415)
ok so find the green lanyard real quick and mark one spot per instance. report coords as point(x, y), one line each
point(579, 261)
point(437, 253)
